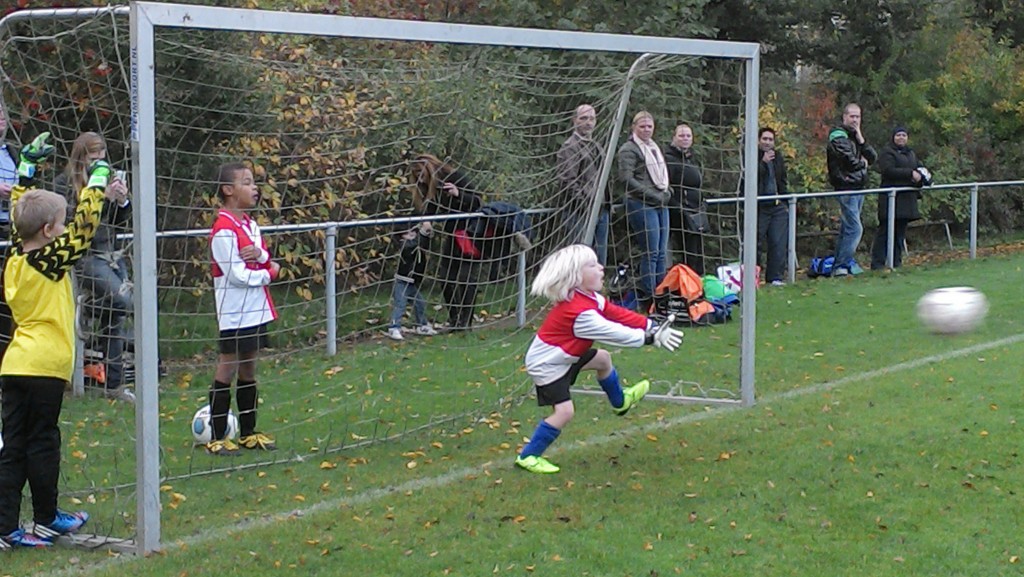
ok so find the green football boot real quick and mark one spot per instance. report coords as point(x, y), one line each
point(536, 464)
point(632, 396)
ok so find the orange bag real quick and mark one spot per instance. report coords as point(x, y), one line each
point(682, 281)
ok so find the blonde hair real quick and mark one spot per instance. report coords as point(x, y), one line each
point(640, 116)
point(35, 209)
point(78, 163)
point(561, 273)
point(428, 173)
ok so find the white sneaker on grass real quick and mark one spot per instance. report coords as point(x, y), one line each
point(395, 334)
point(426, 330)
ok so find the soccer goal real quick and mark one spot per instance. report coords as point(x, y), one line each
point(336, 115)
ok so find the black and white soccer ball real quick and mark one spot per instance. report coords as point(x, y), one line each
point(202, 428)
point(952, 310)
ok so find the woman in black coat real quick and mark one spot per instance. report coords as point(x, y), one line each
point(442, 189)
point(900, 168)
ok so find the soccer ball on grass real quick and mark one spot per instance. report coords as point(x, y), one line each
point(202, 428)
point(952, 310)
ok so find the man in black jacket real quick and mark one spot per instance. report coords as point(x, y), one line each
point(772, 215)
point(849, 156)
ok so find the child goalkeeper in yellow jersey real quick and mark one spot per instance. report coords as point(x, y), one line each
point(38, 363)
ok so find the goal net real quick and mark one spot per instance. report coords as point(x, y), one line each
point(351, 127)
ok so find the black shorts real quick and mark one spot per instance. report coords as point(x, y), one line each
point(558, 391)
point(241, 341)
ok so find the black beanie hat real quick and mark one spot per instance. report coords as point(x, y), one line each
point(900, 128)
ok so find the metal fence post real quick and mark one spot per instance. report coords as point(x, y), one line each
point(974, 220)
point(521, 282)
point(330, 290)
point(791, 252)
point(890, 227)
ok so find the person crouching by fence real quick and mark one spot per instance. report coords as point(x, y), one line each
point(413, 244)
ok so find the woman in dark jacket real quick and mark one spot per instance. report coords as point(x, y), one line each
point(441, 189)
point(900, 168)
point(688, 221)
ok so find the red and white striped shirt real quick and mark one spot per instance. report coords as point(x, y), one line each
point(240, 288)
point(571, 328)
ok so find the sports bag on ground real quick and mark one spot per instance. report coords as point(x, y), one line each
point(681, 293)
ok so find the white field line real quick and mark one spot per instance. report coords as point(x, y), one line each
point(220, 533)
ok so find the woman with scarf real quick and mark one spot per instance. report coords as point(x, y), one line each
point(900, 168)
point(642, 171)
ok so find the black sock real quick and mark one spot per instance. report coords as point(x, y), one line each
point(220, 404)
point(247, 397)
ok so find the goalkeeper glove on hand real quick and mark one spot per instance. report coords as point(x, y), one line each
point(99, 175)
point(36, 151)
point(667, 337)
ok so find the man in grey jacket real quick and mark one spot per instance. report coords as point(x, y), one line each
point(579, 170)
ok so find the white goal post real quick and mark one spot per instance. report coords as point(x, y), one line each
point(146, 17)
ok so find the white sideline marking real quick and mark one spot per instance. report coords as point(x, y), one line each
point(453, 476)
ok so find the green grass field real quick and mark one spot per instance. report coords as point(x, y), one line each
point(874, 449)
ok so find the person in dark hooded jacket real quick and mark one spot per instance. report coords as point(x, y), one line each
point(687, 217)
point(900, 168)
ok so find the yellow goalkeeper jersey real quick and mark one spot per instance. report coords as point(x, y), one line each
point(37, 286)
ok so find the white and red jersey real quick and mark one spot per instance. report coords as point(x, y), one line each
point(571, 328)
point(241, 289)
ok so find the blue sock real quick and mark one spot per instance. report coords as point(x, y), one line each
point(541, 440)
point(611, 387)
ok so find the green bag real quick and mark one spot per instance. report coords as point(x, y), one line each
point(715, 289)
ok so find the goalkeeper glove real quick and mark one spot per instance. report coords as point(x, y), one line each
point(31, 155)
point(666, 337)
point(99, 175)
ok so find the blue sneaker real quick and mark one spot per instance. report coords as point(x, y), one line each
point(19, 538)
point(63, 524)
point(855, 268)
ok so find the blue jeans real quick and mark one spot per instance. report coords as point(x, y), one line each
point(577, 228)
point(649, 226)
point(850, 228)
point(400, 295)
point(112, 300)
point(773, 239)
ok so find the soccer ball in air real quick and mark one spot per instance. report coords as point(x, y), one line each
point(202, 428)
point(952, 310)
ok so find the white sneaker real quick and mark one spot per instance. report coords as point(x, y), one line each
point(123, 394)
point(426, 330)
point(395, 334)
point(778, 283)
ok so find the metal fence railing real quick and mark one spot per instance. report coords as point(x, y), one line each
point(792, 199)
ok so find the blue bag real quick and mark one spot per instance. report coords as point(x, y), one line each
point(821, 266)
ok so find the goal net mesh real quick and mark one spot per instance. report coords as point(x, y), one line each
point(333, 129)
